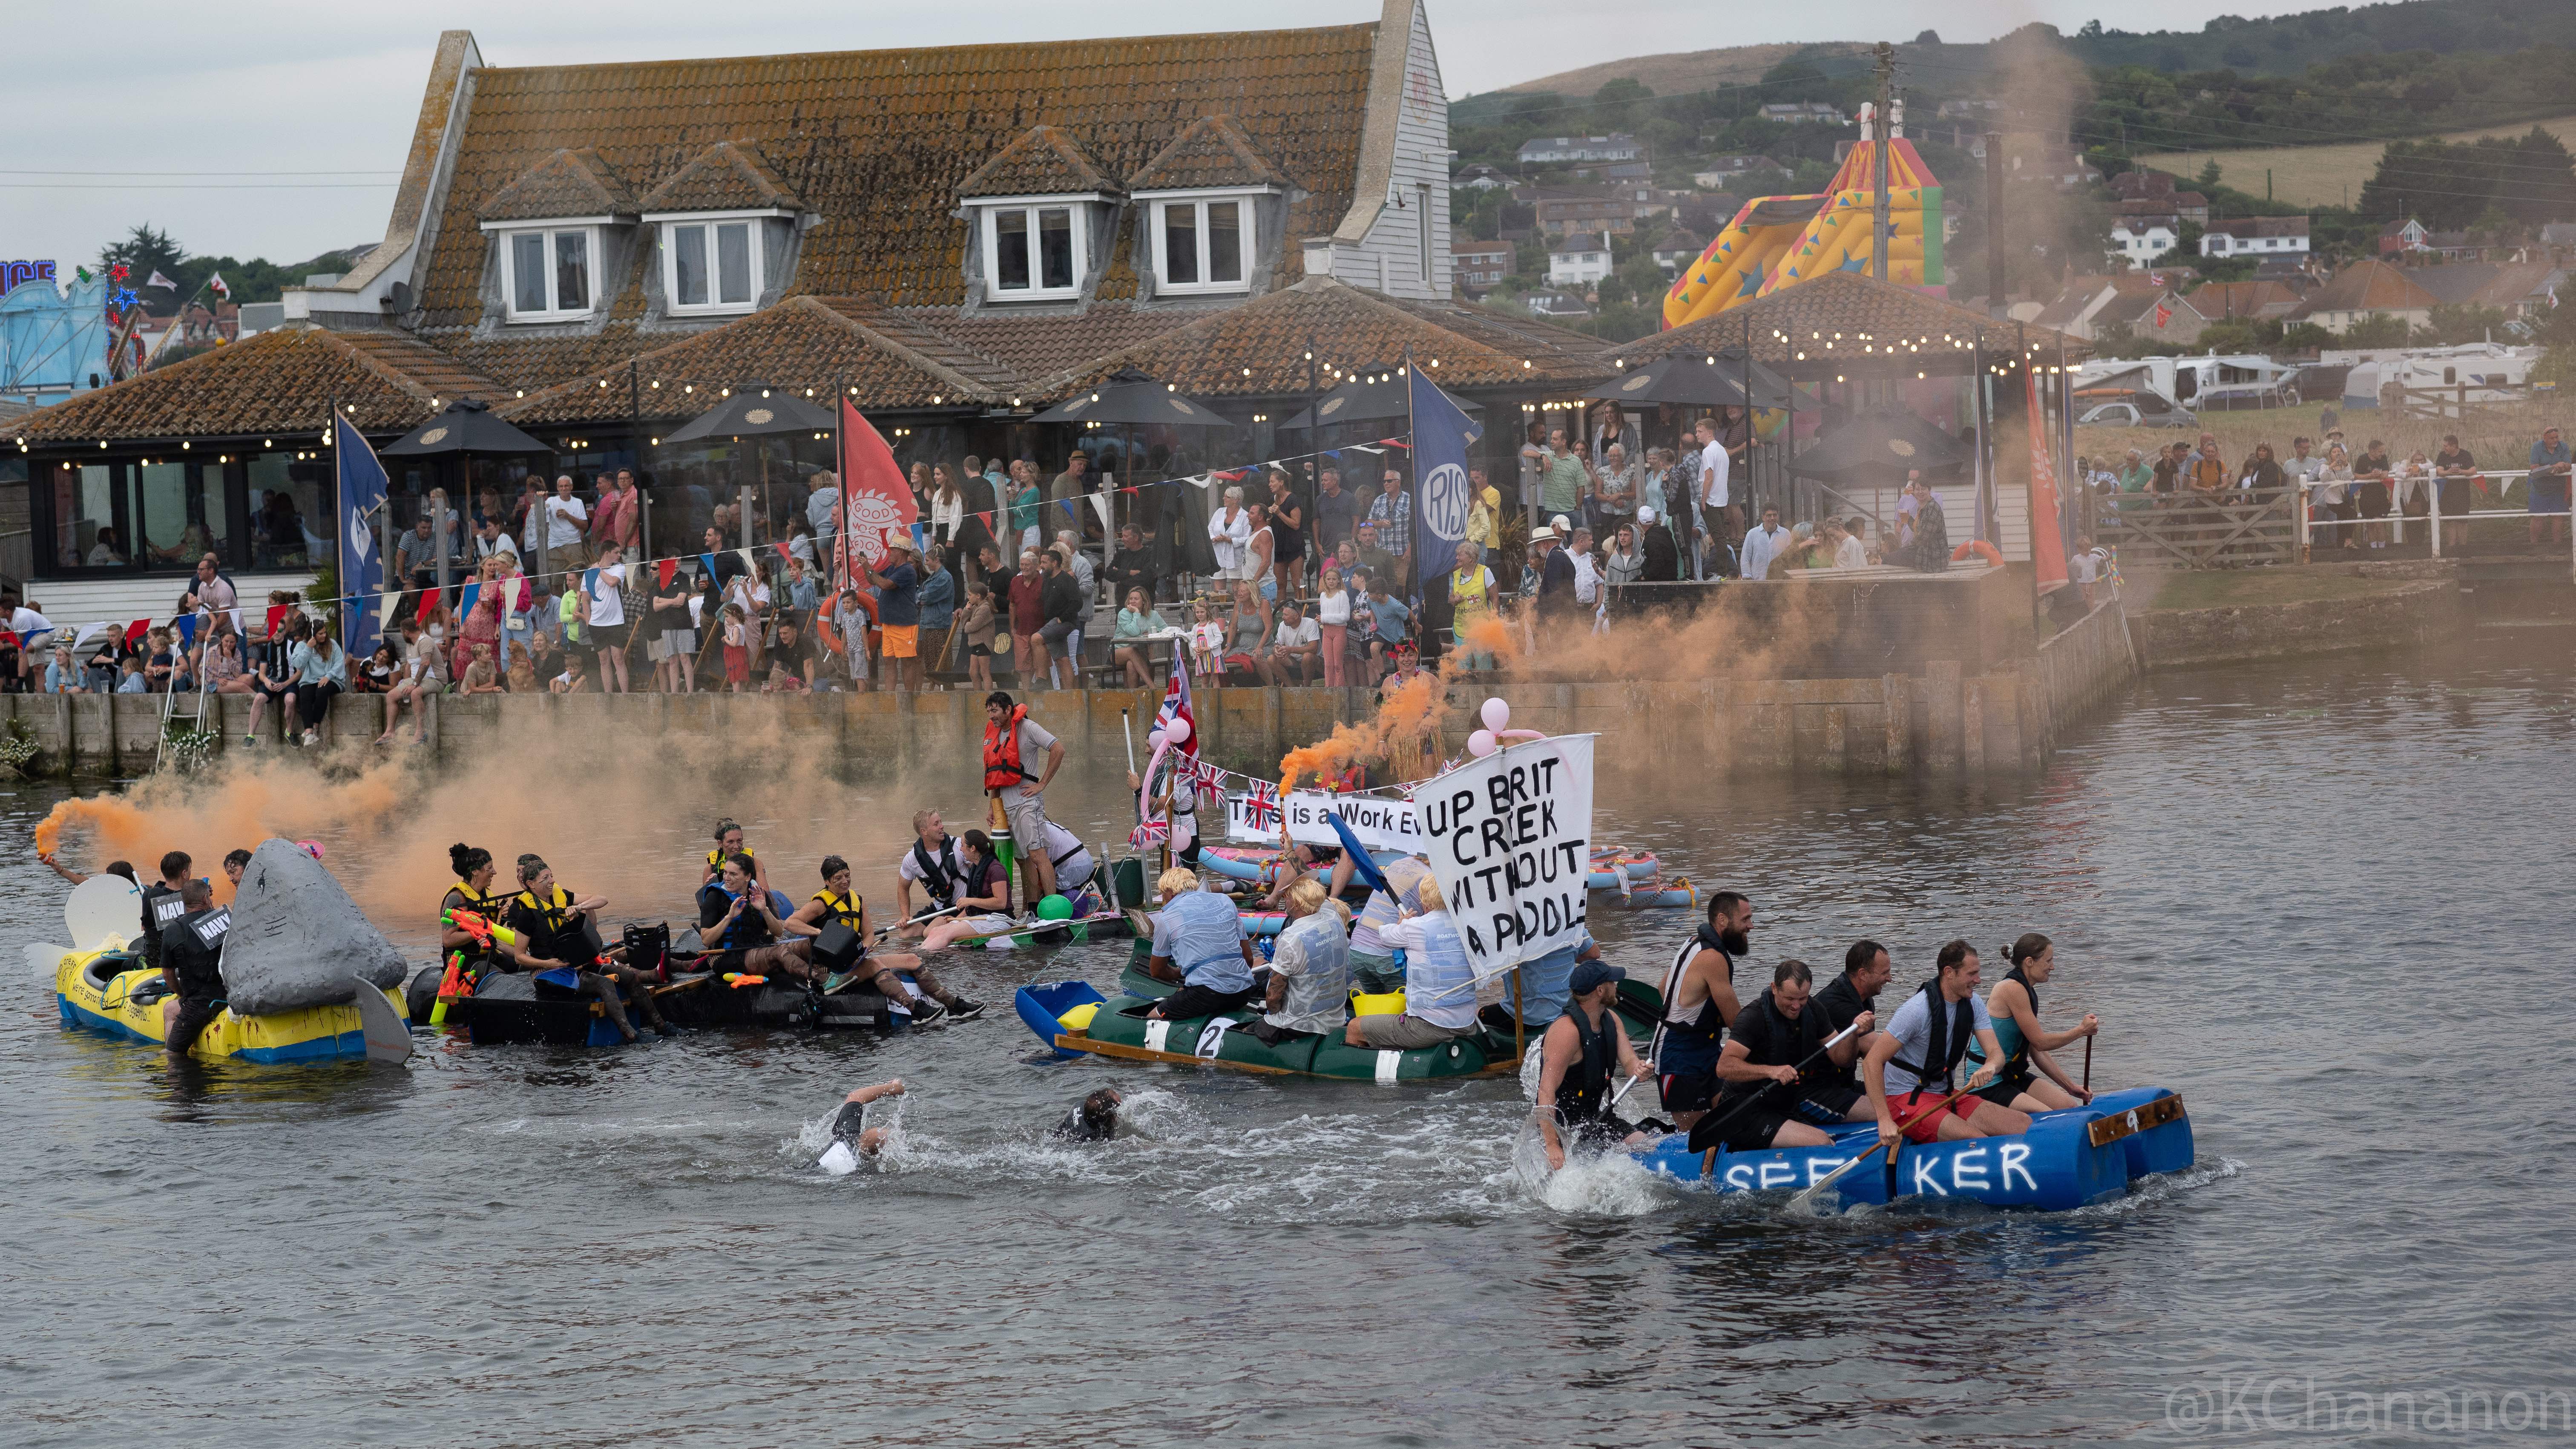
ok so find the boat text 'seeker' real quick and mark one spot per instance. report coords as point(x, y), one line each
point(2066, 1160)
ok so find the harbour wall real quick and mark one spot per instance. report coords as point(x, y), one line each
point(1938, 721)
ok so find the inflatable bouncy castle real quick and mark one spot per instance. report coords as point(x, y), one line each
point(1780, 241)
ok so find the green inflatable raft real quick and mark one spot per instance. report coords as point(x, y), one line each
point(1075, 1019)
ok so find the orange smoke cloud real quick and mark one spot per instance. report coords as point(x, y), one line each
point(1407, 727)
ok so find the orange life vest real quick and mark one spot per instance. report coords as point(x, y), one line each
point(1002, 767)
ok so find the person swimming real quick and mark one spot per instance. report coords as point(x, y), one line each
point(855, 1143)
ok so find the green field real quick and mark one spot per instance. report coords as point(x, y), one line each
point(2320, 175)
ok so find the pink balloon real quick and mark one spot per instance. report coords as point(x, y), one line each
point(1481, 743)
point(1178, 731)
point(312, 848)
point(1496, 714)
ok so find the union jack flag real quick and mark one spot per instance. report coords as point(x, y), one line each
point(1261, 806)
point(1176, 705)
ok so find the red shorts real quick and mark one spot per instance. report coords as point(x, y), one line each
point(1920, 1102)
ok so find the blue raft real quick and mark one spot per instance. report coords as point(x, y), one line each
point(2066, 1160)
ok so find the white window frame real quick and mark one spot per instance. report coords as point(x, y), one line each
point(669, 223)
point(990, 221)
point(1202, 198)
point(510, 232)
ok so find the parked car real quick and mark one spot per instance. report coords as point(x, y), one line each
point(2140, 412)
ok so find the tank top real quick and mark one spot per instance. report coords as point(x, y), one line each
point(1688, 1043)
point(2008, 1031)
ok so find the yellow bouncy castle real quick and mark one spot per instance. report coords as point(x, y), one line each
point(1780, 241)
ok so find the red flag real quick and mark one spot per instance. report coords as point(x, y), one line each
point(276, 615)
point(666, 570)
point(876, 498)
point(2047, 551)
point(2164, 312)
point(137, 630)
point(429, 599)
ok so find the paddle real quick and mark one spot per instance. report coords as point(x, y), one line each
point(1705, 1129)
point(2088, 1064)
point(1839, 1173)
point(882, 931)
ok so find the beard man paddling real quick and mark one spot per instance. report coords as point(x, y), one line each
point(1699, 1006)
point(1908, 1067)
point(1575, 1058)
point(1772, 1040)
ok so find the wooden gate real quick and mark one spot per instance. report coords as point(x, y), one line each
point(2204, 531)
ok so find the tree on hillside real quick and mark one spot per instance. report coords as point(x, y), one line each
point(145, 250)
point(2449, 185)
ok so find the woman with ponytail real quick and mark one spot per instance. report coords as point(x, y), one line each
point(2014, 1006)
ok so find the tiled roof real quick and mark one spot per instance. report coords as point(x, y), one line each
point(1212, 152)
point(1868, 313)
point(727, 176)
point(1046, 161)
point(566, 183)
point(280, 381)
point(2368, 286)
point(1024, 351)
point(1580, 241)
point(1258, 349)
point(800, 343)
point(879, 142)
point(2244, 299)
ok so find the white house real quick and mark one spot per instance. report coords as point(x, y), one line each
point(2138, 243)
point(1555, 150)
point(1804, 113)
point(2256, 236)
point(1578, 261)
point(1482, 177)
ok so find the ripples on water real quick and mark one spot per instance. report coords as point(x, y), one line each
point(2322, 901)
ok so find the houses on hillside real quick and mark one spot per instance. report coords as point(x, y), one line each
point(1804, 113)
point(2256, 236)
point(1574, 150)
point(1615, 210)
point(1578, 261)
point(1478, 265)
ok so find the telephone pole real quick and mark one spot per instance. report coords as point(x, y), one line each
point(1879, 135)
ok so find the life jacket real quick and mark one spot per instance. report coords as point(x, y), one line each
point(1002, 767)
point(748, 930)
point(554, 923)
point(1583, 1094)
point(716, 860)
point(1690, 1044)
point(476, 958)
point(1792, 1042)
point(161, 906)
point(936, 877)
point(844, 909)
point(1953, 1031)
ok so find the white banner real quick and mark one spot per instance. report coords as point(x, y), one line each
point(1510, 841)
point(1380, 824)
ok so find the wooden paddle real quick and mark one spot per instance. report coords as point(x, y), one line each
point(1709, 1163)
point(882, 931)
point(1839, 1173)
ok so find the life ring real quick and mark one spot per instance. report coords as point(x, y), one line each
point(1980, 547)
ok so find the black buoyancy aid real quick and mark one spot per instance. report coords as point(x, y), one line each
point(749, 929)
point(935, 874)
point(1790, 1041)
point(844, 909)
point(1952, 1031)
point(1583, 1094)
point(1002, 766)
point(555, 927)
point(162, 907)
point(1697, 1039)
point(195, 950)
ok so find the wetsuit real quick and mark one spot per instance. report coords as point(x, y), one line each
point(1748, 1114)
point(1689, 1044)
point(1077, 1128)
point(192, 945)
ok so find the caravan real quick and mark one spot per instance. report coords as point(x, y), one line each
point(2201, 384)
point(2490, 371)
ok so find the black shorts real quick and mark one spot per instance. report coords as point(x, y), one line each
point(1688, 1091)
point(606, 636)
point(1603, 1131)
point(1750, 1128)
point(979, 651)
point(2011, 1084)
point(1828, 1104)
point(1192, 1002)
point(196, 1013)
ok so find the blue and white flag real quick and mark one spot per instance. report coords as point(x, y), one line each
point(362, 563)
point(1441, 433)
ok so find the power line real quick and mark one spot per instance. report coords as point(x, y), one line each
point(183, 171)
point(196, 186)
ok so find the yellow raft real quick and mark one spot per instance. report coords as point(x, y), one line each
point(98, 989)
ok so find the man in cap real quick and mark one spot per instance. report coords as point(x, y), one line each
point(1576, 1057)
point(899, 608)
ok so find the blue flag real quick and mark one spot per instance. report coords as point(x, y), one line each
point(1441, 433)
point(362, 562)
point(1361, 864)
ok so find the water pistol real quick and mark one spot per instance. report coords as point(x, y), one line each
point(484, 932)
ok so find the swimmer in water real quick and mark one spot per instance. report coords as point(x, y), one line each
point(855, 1143)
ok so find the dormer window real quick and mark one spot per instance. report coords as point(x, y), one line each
point(1201, 243)
point(1035, 248)
point(548, 272)
point(714, 264)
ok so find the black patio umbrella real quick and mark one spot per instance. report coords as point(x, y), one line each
point(1696, 380)
point(1133, 399)
point(1373, 394)
point(1873, 446)
point(754, 410)
point(757, 411)
point(467, 429)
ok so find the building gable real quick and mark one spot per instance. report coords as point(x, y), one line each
point(566, 183)
point(727, 176)
point(1213, 152)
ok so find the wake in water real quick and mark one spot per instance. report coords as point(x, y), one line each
point(1033, 1152)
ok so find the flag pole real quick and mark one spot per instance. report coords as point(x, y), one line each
point(1412, 545)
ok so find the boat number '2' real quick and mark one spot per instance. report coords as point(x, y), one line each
point(1969, 1171)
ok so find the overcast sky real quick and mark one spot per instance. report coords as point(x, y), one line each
point(139, 119)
